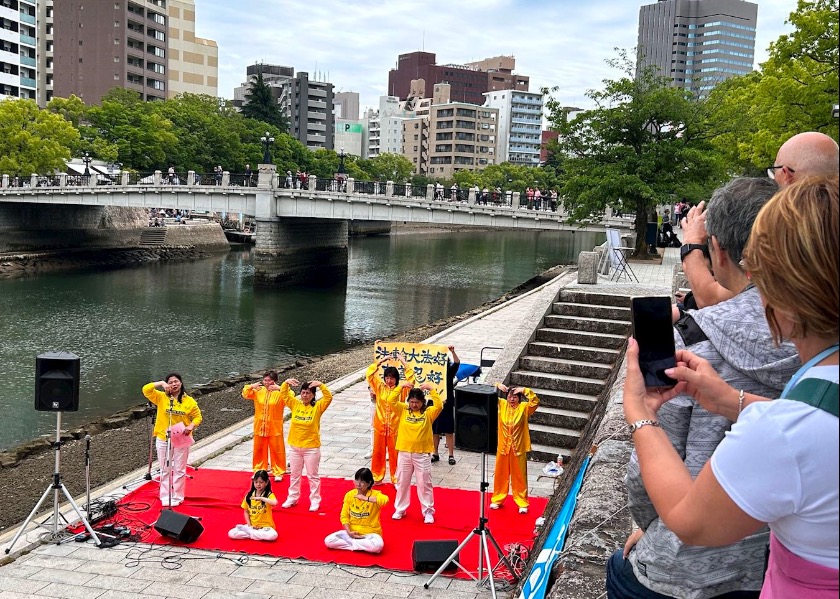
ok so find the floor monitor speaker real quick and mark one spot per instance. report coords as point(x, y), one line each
point(430, 555)
point(178, 526)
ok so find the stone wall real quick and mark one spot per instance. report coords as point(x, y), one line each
point(362, 228)
point(207, 237)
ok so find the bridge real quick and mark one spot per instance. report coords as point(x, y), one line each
point(297, 228)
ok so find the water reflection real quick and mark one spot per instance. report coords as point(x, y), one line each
point(207, 321)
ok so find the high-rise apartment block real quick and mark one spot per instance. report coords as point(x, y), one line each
point(520, 125)
point(698, 43)
point(467, 82)
point(18, 54)
point(148, 46)
point(346, 105)
point(307, 103)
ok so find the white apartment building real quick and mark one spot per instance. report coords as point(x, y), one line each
point(384, 127)
point(520, 125)
point(18, 44)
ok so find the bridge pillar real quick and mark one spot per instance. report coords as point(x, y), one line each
point(62, 180)
point(515, 200)
point(4, 182)
point(191, 181)
point(156, 178)
point(430, 192)
point(124, 178)
point(311, 182)
point(389, 189)
point(471, 196)
point(33, 180)
point(225, 178)
point(300, 250)
point(408, 190)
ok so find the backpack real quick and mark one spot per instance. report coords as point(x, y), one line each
point(818, 393)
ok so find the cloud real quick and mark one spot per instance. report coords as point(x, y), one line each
point(354, 44)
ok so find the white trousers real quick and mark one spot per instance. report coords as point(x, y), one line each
point(244, 531)
point(419, 464)
point(371, 543)
point(174, 474)
point(310, 457)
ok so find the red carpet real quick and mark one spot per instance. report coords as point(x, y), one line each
point(215, 497)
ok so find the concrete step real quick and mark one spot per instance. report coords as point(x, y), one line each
point(598, 355)
point(566, 367)
point(600, 299)
point(546, 453)
point(554, 436)
point(566, 400)
point(581, 323)
point(557, 382)
point(558, 417)
point(589, 339)
point(592, 311)
point(153, 236)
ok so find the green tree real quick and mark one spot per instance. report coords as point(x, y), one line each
point(793, 92)
point(261, 105)
point(385, 167)
point(33, 140)
point(644, 142)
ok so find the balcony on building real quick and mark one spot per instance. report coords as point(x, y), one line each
point(27, 82)
point(27, 39)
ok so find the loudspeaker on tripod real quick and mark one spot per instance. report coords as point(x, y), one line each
point(476, 418)
point(57, 377)
point(430, 555)
point(178, 526)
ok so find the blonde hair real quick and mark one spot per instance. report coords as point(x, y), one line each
point(792, 257)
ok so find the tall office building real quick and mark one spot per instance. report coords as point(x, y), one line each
point(346, 105)
point(307, 103)
point(698, 43)
point(96, 46)
point(467, 82)
point(520, 125)
point(18, 34)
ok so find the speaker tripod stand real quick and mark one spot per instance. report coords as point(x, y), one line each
point(56, 486)
point(482, 532)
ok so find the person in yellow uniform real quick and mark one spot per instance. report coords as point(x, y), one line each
point(173, 407)
point(259, 520)
point(360, 517)
point(513, 446)
point(415, 445)
point(268, 425)
point(305, 437)
point(387, 391)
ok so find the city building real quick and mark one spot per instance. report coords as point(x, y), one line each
point(467, 82)
point(547, 138)
point(91, 47)
point(18, 49)
point(519, 125)
point(350, 135)
point(307, 103)
point(384, 127)
point(193, 61)
point(346, 105)
point(698, 43)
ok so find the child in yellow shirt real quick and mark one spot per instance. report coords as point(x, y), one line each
point(360, 517)
point(258, 504)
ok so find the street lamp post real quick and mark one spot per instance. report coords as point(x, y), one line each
point(341, 157)
point(87, 159)
point(267, 140)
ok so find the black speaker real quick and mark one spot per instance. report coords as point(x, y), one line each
point(476, 416)
point(178, 526)
point(430, 555)
point(57, 382)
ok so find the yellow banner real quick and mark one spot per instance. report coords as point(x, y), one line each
point(427, 361)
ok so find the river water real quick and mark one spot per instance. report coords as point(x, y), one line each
point(205, 319)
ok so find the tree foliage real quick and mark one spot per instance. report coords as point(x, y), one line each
point(261, 105)
point(33, 140)
point(643, 144)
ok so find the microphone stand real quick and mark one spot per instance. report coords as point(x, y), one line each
point(87, 475)
point(169, 450)
point(148, 475)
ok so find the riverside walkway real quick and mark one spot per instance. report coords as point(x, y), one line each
point(81, 570)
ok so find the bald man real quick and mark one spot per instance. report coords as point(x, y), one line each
point(803, 155)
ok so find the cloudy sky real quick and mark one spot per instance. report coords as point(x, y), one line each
point(354, 43)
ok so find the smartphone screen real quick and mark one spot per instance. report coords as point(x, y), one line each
point(654, 332)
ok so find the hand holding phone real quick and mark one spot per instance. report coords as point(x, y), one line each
point(654, 332)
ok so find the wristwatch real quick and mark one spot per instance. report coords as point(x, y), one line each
point(687, 248)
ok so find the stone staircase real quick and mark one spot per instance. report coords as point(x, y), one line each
point(568, 364)
point(153, 237)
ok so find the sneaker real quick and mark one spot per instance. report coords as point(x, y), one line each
point(495, 506)
point(289, 503)
point(398, 515)
point(314, 507)
point(368, 455)
point(435, 458)
point(278, 479)
point(452, 460)
point(523, 510)
point(428, 519)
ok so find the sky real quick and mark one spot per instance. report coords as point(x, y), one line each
point(354, 43)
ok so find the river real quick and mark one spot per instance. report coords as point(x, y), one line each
point(205, 319)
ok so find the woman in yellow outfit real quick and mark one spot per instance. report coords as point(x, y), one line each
point(513, 446)
point(173, 407)
point(360, 517)
point(268, 425)
point(305, 438)
point(385, 422)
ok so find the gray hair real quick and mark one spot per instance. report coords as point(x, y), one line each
point(732, 211)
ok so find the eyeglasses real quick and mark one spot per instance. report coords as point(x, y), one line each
point(771, 170)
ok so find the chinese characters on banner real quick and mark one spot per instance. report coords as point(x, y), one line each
point(428, 362)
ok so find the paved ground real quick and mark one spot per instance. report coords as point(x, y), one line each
point(142, 571)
